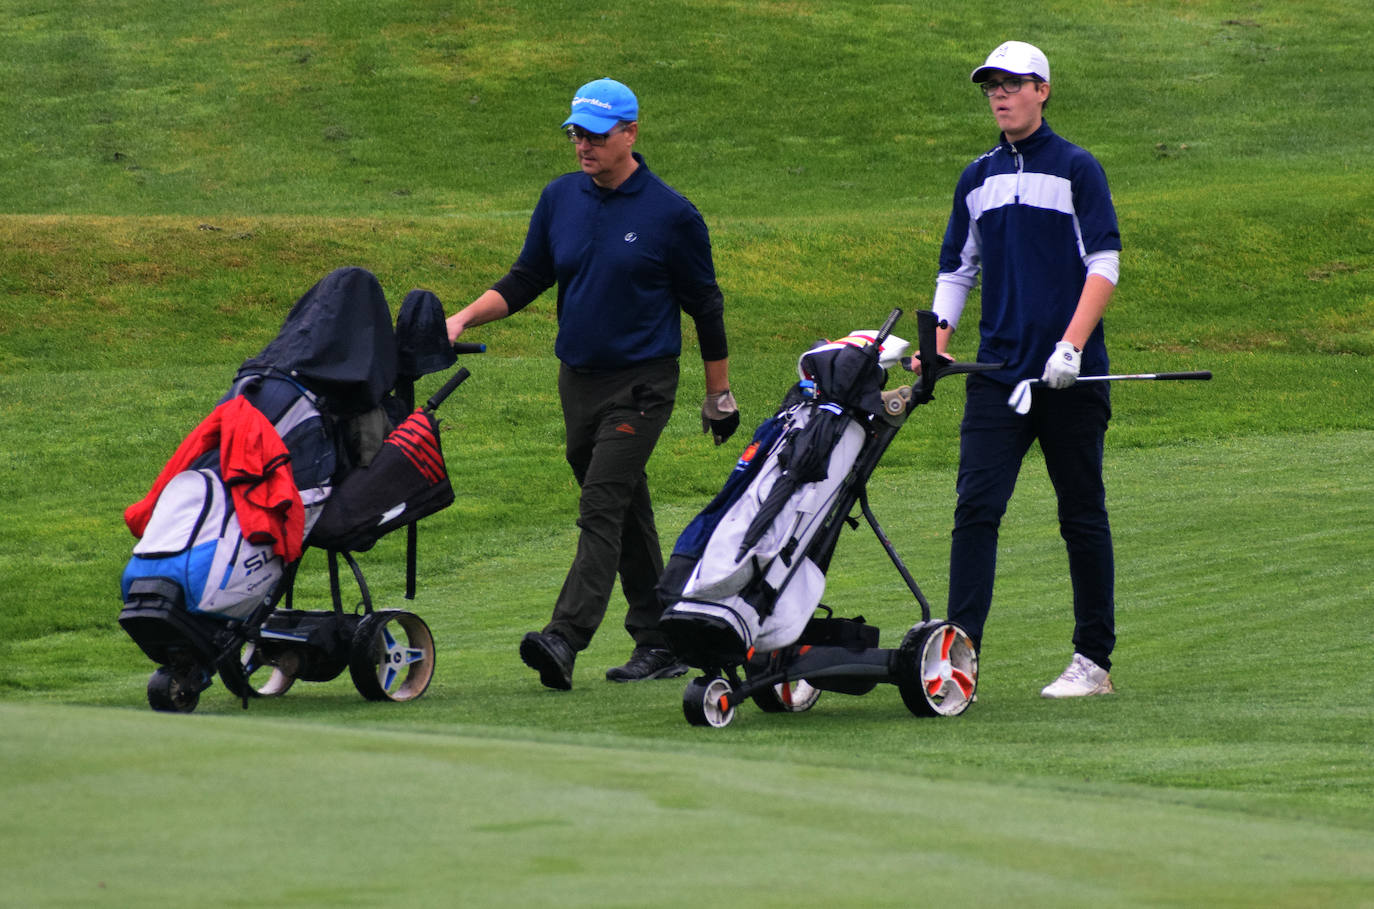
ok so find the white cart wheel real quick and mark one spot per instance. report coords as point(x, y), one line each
point(706, 702)
point(938, 669)
point(267, 679)
point(788, 697)
point(392, 657)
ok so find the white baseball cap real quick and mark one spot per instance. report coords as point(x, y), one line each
point(1017, 58)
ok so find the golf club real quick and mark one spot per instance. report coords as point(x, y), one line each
point(1020, 399)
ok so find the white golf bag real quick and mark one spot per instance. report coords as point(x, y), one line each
point(742, 577)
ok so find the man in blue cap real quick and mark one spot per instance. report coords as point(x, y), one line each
point(630, 255)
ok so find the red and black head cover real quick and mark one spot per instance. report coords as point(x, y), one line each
point(406, 481)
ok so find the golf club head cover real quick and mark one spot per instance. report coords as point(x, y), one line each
point(720, 416)
point(1061, 369)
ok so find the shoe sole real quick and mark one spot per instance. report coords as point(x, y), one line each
point(1108, 688)
point(667, 672)
point(539, 659)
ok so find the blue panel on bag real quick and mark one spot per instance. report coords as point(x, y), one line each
point(189, 569)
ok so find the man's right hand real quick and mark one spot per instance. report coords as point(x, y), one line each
point(720, 415)
point(455, 327)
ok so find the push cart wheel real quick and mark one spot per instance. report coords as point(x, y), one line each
point(706, 702)
point(175, 690)
point(266, 679)
point(392, 656)
point(788, 697)
point(938, 673)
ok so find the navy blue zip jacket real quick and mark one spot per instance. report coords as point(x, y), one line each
point(1027, 214)
point(628, 262)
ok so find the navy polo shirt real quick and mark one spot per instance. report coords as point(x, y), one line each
point(1026, 215)
point(628, 262)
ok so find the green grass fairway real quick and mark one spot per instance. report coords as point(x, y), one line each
point(133, 809)
point(1231, 768)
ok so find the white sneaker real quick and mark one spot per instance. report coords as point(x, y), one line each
point(1082, 678)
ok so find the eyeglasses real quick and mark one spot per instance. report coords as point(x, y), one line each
point(1011, 85)
point(577, 134)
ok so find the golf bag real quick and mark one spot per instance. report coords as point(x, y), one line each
point(227, 514)
point(742, 589)
point(311, 446)
point(742, 575)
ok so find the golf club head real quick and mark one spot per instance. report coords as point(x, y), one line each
point(1020, 399)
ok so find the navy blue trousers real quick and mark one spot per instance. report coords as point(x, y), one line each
point(1070, 425)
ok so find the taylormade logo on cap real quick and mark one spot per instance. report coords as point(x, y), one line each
point(598, 106)
point(598, 102)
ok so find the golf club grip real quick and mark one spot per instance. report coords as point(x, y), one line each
point(464, 347)
point(890, 324)
point(447, 389)
point(1197, 374)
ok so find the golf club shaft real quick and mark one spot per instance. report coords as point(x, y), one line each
point(1198, 374)
point(1020, 399)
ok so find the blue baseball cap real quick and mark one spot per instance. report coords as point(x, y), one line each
point(598, 106)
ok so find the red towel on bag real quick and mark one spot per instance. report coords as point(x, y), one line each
point(254, 464)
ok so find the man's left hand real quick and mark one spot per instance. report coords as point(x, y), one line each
point(720, 415)
point(1061, 369)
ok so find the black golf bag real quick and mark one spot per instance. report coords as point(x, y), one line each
point(314, 445)
point(743, 587)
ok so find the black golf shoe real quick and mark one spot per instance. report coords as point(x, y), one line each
point(551, 657)
point(648, 663)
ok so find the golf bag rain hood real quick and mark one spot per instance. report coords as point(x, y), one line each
point(741, 576)
point(422, 344)
point(407, 479)
point(337, 341)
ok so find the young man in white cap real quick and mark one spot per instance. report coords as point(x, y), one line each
point(1034, 216)
point(630, 255)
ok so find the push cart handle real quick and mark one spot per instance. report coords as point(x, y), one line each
point(934, 366)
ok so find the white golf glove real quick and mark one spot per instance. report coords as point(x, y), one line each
point(720, 416)
point(1061, 369)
